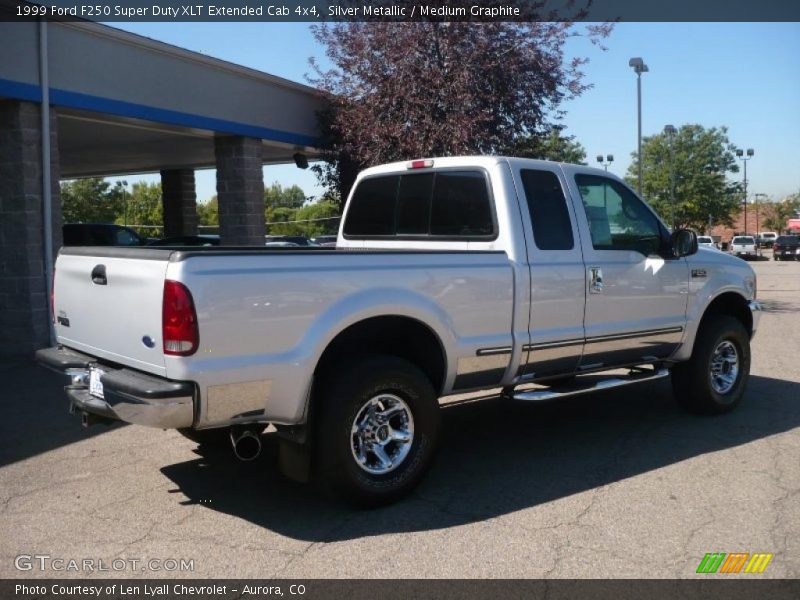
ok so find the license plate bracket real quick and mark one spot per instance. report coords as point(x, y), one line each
point(95, 384)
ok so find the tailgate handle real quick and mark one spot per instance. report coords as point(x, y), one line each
point(99, 275)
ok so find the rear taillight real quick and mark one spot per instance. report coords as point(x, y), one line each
point(178, 320)
point(776, 246)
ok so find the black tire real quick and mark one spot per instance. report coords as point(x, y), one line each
point(692, 381)
point(776, 258)
point(340, 397)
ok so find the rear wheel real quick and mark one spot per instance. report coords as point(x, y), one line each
point(376, 425)
point(712, 381)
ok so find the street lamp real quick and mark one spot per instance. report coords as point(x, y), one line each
point(609, 158)
point(670, 131)
point(744, 157)
point(639, 67)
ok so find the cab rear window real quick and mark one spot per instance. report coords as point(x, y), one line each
point(439, 205)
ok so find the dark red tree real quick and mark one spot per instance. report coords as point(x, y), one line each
point(407, 90)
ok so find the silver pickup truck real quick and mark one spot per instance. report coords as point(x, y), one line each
point(450, 275)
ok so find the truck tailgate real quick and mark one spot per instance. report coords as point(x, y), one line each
point(110, 306)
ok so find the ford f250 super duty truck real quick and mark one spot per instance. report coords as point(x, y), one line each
point(449, 275)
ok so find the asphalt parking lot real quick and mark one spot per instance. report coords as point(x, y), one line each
point(618, 484)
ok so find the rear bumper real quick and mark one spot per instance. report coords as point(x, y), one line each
point(128, 395)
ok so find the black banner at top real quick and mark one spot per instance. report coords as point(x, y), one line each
point(402, 10)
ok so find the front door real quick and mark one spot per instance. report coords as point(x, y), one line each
point(636, 292)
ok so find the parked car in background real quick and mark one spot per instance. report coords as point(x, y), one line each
point(296, 240)
point(707, 241)
point(325, 240)
point(743, 246)
point(100, 234)
point(786, 247)
point(188, 240)
point(765, 239)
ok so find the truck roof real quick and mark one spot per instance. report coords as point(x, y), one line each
point(478, 161)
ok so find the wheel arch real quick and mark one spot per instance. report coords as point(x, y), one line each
point(396, 335)
point(729, 302)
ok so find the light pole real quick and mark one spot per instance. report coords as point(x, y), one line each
point(758, 233)
point(669, 131)
point(609, 158)
point(639, 67)
point(744, 158)
point(125, 199)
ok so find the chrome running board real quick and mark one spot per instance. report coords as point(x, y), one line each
point(612, 381)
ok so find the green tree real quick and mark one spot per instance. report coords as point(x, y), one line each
point(277, 196)
point(781, 212)
point(696, 162)
point(143, 206)
point(208, 212)
point(311, 220)
point(321, 218)
point(280, 221)
point(91, 200)
point(551, 146)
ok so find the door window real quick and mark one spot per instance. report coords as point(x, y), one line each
point(618, 220)
point(552, 228)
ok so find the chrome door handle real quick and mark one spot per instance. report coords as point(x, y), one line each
point(595, 280)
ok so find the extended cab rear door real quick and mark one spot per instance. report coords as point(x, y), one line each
point(636, 292)
point(556, 270)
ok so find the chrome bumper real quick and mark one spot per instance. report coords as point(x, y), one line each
point(755, 311)
point(128, 395)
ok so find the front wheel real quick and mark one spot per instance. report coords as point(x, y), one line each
point(376, 421)
point(712, 381)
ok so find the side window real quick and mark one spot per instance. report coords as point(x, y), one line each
point(618, 220)
point(372, 207)
point(461, 205)
point(552, 228)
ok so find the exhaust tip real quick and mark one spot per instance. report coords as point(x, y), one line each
point(246, 444)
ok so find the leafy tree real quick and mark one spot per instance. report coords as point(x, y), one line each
point(780, 213)
point(696, 162)
point(311, 220)
point(208, 212)
point(553, 146)
point(276, 196)
point(142, 206)
point(405, 90)
point(92, 200)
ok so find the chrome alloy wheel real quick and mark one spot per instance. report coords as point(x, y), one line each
point(382, 434)
point(724, 367)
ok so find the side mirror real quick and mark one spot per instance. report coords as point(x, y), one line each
point(684, 242)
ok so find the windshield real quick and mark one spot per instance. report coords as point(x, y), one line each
point(743, 240)
point(704, 240)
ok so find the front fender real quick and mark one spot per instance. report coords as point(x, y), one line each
point(723, 275)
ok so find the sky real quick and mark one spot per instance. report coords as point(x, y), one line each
point(745, 76)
